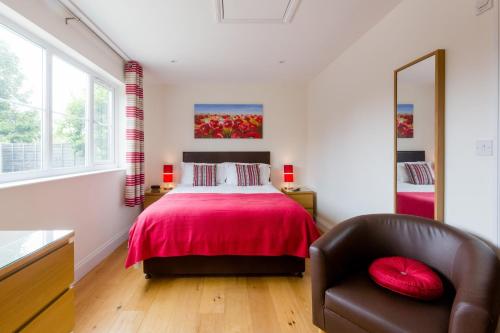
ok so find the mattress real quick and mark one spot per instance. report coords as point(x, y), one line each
point(224, 189)
point(408, 187)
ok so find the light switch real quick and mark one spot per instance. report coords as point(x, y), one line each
point(483, 5)
point(484, 147)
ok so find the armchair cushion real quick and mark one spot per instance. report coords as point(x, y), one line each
point(407, 276)
point(358, 300)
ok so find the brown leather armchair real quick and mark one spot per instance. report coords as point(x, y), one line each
point(344, 299)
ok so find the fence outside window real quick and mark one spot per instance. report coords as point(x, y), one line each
point(16, 157)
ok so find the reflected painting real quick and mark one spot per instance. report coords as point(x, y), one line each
point(405, 121)
point(228, 121)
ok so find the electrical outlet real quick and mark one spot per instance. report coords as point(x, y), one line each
point(484, 147)
point(483, 6)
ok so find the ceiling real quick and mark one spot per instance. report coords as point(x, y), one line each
point(238, 9)
point(256, 11)
point(181, 41)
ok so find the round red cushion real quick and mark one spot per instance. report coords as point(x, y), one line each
point(407, 277)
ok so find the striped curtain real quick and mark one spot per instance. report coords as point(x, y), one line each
point(134, 186)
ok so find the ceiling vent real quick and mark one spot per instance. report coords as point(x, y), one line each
point(256, 11)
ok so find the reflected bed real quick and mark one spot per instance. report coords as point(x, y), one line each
point(411, 199)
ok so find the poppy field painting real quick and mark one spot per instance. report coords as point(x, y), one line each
point(228, 121)
point(405, 121)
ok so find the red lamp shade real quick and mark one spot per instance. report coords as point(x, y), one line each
point(168, 173)
point(288, 173)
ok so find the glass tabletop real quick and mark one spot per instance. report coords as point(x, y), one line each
point(15, 245)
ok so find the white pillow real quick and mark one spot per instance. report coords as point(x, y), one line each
point(187, 173)
point(265, 174)
point(232, 176)
point(402, 173)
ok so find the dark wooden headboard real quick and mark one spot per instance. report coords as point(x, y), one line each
point(226, 156)
point(411, 156)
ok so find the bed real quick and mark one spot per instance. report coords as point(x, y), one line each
point(413, 199)
point(222, 230)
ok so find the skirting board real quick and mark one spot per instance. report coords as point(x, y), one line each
point(323, 225)
point(98, 255)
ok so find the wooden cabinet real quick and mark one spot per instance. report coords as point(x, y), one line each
point(59, 317)
point(151, 197)
point(35, 292)
point(305, 197)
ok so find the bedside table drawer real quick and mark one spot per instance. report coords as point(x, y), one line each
point(306, 200)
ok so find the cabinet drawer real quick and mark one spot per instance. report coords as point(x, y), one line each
point(59, 317)
point(306, 200)
point(24, 293)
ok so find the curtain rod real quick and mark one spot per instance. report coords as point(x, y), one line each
point(78, 15)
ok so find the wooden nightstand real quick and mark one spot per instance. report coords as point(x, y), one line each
point(305, 197)
point(150, 197)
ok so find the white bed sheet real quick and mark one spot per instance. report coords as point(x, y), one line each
point(408, 187)
point(224, 189)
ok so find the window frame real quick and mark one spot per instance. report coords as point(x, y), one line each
point(46, 169)
point(112, 125)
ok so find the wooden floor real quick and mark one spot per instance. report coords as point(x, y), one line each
point(112, 299)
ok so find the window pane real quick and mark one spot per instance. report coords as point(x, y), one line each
point(21, 102)
point(103, 103)
point(69, 116)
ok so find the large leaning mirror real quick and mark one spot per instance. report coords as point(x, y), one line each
point(419, 137)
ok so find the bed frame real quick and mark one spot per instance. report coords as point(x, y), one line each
point(224, 265)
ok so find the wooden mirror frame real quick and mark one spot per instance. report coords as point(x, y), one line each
point(439, 107)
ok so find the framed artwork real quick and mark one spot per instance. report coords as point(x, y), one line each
point(228, 121)
point(405, 121)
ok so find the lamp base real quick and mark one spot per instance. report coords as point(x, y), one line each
point(168, 186)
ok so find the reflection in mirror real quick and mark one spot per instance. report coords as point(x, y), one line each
point(416, 138)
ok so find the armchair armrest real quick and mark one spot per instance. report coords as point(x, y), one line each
point(477, 301)
point(331, 256)
point(468, 317)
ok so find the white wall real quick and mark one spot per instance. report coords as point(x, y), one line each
point(169, 123)
point(350, 111)
point(93, 204)
point(422, 98)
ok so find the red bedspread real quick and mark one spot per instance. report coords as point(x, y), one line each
point(416, 203)
point(221, 224)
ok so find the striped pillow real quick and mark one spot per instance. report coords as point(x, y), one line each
point(420, 173)
point(248, 174)
point(204, 175)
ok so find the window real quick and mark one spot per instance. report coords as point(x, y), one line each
point(69, 114)
point(56, 115)
point(21, 103)
point(103, 123)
